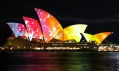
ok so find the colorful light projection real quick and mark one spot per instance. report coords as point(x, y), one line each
point(64, 35)
point(50, 25)
point(97, 37)
point(18, 29)
point(33, 28)
point(87, 36)
point(72, 32)
point(22, 30)
point(101, 36)
point(51, 29)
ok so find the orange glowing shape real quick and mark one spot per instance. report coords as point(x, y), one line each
point(101, 36)
point(98, 38)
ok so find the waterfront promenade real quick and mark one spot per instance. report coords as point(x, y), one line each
point(54, 47)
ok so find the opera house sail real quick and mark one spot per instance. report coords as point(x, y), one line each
point(49, 24)
point(75, 30)
point(72, 32)
point(33, 28)
point(87, 36)
point(101, 36)
point(98, 38)
point(18, 29)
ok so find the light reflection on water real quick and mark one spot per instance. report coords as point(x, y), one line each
point(60, 61)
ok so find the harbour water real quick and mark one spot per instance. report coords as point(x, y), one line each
point(59, 61)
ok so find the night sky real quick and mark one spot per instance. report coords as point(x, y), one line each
point(100, 16)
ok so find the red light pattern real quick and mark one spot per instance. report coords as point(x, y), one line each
point(33, 28)
point(22, 30)
point(50, 25)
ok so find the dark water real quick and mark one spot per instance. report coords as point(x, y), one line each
point(59, 61)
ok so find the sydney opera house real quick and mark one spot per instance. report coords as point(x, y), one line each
point(47, 33)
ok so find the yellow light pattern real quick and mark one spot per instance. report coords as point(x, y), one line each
point(72, 32)
point(87, 36)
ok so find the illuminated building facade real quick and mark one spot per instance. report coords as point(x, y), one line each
point(71, 32)
point(48, 28)
point(50, 25)
point(98, 38)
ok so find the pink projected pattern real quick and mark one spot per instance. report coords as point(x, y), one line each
point(50, 25)
point(33, 28)
point(18, 29)
point(22, 30)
